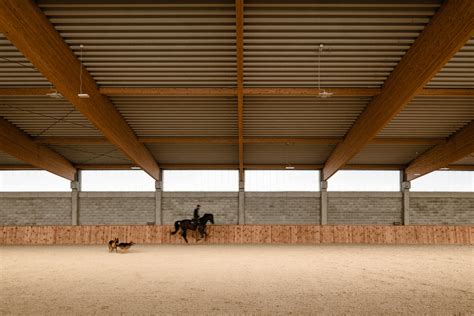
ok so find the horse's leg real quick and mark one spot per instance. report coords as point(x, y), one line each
point(176, 227)
point(183, 233)
point(202, 232)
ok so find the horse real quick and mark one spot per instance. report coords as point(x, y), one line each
point(186, 224)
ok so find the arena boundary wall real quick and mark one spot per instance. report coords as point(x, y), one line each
point(241, 234)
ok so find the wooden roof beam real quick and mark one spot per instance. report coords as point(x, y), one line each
point(460, 145)
point(447, 32)
point(25, 25)
point(16, 143)
point(239, 35)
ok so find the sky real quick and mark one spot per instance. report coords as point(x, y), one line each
point(227, 180)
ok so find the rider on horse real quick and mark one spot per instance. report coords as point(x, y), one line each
point(195, 220)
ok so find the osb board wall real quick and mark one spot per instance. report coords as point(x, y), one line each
point(240, 234)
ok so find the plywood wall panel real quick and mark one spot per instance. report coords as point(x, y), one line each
point(262, 234)
point(305, 234)
point(247, 233)
point(342, 234)
point(239, 234)
point(327, 234)
point(389, 234)
point(281, 234)
point(357, 234)
point(439, 235)
point(463, 235)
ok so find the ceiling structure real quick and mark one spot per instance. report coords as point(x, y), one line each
point(233, 84)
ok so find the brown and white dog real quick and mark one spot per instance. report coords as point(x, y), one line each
point(113, 244)
point(124, 246)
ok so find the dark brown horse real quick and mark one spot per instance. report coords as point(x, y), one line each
point(186, 224)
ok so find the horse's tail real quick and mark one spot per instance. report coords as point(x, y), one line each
point(177, 224)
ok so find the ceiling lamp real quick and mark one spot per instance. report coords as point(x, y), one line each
point(81, 94)
point(322, 93)
point(54, 94)
point(288, 165)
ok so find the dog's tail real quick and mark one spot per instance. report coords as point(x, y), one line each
point(177, 224)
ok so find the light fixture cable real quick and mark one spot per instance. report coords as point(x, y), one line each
point(319, 66)
point(81, 94)
point(322, 93)
point(80, 72)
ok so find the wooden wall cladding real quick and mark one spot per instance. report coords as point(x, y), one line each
point(240, 234)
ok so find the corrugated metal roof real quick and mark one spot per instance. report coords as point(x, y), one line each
point(301, 116)
point(459, 71)
point(45, 116)
point(15, 69)
point(286, 154)
point(92, 154)
point(427, 116)
point(179, 116)
point(363, 40)
point(195, 153)
point(162, 43)
point(388, 154)
point(6, 159)
point(192, 43)
point(469, 160)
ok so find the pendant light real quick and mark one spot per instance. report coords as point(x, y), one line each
point(322, 93)
point(81, 94)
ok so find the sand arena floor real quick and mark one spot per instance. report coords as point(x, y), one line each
point(237, 279)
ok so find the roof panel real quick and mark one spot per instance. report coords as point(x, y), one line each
point(194, 153)
point(45, 116)
point(458, 72)
point(16, 70)
point(286, 154)
point(468, 160)
point(388, 154)
point(92, 154)
point(428, 116)
point(282, 40)
point(179, 116)
point(6, 159)
point(157, 43)
point(301, 116)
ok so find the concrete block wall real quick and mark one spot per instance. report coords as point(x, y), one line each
point(382, 208)
point(282, 208)
point(180, 205)
point(116, 208)
point(35, 208)
point(132, 208)
point(453, 208)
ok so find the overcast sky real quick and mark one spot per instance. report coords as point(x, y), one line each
point(223, 180)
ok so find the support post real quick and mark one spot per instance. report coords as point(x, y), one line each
point(75, 189)
point(406, 202)
point(158, 197)
point(324, 202)
point(241, 215)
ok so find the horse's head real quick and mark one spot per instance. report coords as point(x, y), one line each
point(208, 217)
